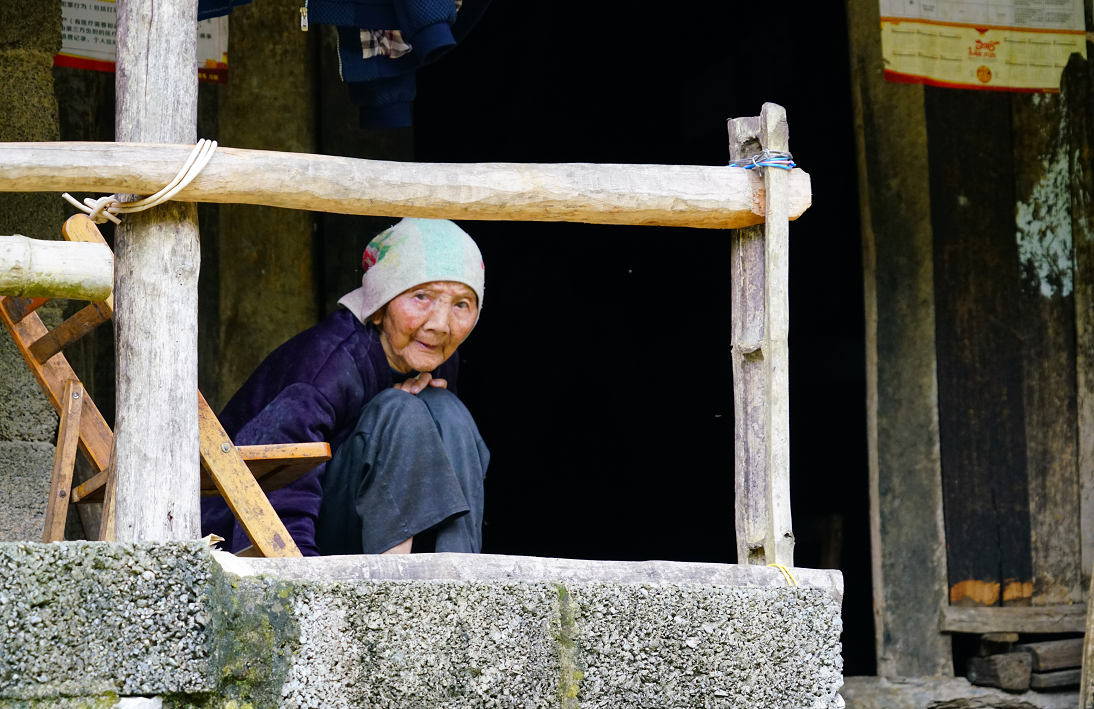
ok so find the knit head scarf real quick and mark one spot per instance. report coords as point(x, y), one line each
point(413, 252)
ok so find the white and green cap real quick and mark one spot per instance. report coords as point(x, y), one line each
point(413, 252)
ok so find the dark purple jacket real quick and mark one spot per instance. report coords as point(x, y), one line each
point(312, 388)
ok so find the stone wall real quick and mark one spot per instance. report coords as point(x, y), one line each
point(30, 34)
point(90, 622)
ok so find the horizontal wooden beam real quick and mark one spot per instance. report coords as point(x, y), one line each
point(1069, 618)
point(55, 269)
point(665, 195)
point(273, 466)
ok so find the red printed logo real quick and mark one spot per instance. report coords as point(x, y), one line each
point(984, 49)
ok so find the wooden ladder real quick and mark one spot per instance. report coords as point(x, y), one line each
point(241, 474)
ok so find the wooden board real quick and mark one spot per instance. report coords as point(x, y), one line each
point(908, 559)
point(19, 308)
point(239, 488)
point(64, 461)
point(1047, 307)
point(107, 522)
point(1010, 671)
point(1054, 654)
point(273, 466)
point(72, 329)
point(1076, 85)
point(979, 348)
point(1013, 619)
point(96, 437)
point(1055, 680)
point(1076, 89)
point(667, 195)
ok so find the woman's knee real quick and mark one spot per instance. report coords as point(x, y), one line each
point(432, 406)
point(446, 407)
point(398, 405)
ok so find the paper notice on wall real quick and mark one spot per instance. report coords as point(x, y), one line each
point(89, 32)
point(994, 45)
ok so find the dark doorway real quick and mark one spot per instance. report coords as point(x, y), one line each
point(600, 371)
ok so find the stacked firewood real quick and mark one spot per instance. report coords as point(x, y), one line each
point(1053, 664)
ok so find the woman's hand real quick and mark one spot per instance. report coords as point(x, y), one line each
point(413, 386)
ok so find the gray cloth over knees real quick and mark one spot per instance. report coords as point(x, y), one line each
point(414, 463)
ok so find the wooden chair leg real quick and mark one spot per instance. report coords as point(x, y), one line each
point(106, 524)
point(68, 440)
point(239, 488)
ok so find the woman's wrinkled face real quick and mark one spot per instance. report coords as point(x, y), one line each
point(421, 327)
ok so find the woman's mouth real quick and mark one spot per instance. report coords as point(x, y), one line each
point(428, 347)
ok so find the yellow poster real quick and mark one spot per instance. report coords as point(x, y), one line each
point(1000, 45)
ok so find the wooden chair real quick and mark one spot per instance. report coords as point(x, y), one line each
point(241, 474)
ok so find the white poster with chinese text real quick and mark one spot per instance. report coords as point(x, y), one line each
point(88, 34)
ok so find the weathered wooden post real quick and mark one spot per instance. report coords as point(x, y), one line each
point(156, 274)
point(761, 323)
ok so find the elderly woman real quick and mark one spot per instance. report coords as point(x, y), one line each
point(377, 381)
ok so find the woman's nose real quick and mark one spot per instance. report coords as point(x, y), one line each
point(439, 316)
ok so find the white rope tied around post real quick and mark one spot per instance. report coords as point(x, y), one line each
point(104, 208)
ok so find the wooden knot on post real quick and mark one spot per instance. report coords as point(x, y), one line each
point(748, 348)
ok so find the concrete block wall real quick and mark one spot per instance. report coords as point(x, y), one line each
point(30, 34)
point(92, 622)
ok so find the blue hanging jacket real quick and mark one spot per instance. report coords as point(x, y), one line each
point(208, 9)
point(385, 88)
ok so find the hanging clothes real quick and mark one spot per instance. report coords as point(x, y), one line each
point(381, 43)
point(378, 64)
point(208, 9)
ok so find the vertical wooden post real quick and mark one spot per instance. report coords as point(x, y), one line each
point(749, 383)
point(907, 539)
point(775, 135)
point(156, 274)
point(760, 356)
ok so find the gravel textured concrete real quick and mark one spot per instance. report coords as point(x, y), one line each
point(498, 567)
point(93, 619)
point(87, 618)
point(418, 643)
point(704, 646)
point(25, 470)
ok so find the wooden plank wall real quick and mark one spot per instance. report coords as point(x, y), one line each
point(1047, 321)
point(1080, 124)
point(1006, 345)
point(978, 233)
point(979, 344)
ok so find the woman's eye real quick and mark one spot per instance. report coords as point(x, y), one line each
point(421, 297)
point(463, 305)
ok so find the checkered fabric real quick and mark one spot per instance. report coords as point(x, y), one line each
point(387, 43)
point(383, 43)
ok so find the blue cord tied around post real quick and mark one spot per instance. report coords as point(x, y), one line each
point(768, 158)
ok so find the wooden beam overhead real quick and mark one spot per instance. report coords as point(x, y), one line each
point(664, 195)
